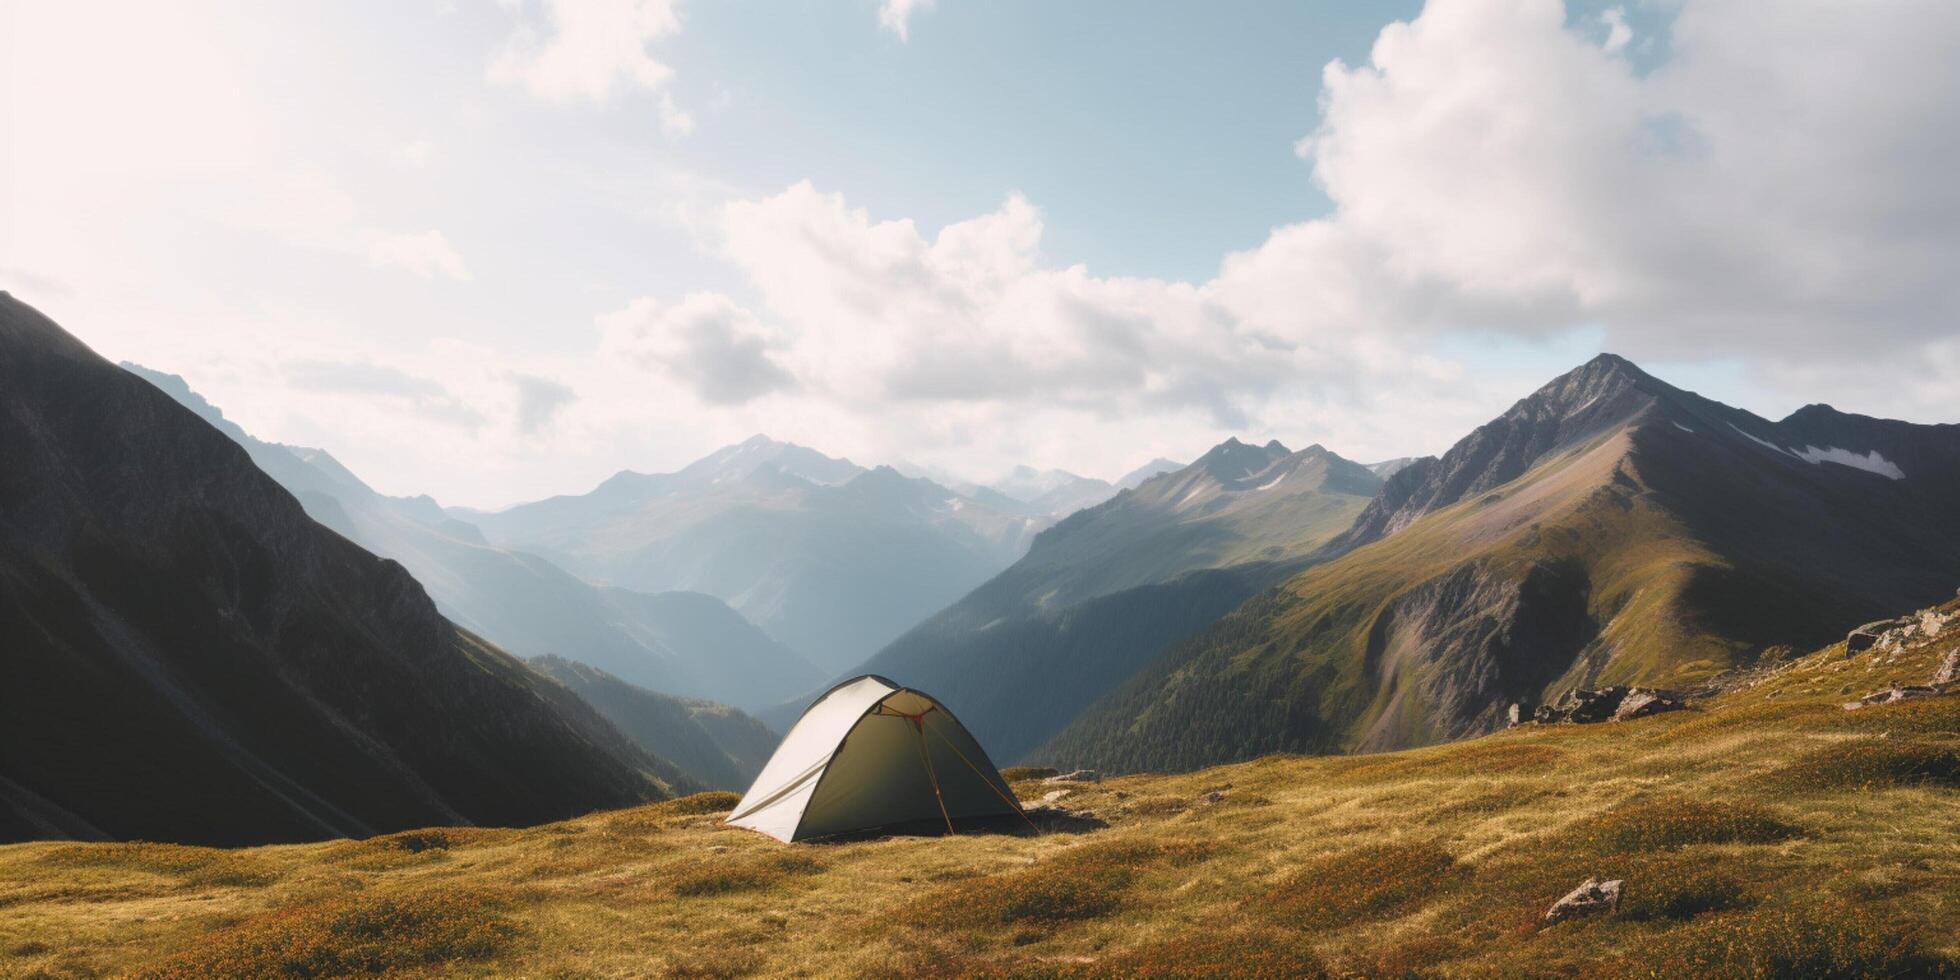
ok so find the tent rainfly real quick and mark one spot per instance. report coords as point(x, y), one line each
point(870, 754)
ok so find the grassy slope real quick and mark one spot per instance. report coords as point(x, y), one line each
point(1766, 831)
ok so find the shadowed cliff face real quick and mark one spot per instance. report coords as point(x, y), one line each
point(190, 658)
point(1607, 529)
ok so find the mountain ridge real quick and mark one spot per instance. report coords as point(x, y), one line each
point(1607, 528)
point(192, 658)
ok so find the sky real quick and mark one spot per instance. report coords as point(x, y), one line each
point(494, 250)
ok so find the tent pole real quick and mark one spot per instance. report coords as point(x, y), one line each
point(1014, 804)
point(925, 754)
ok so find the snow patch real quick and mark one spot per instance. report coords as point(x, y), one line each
point(1870, 463)
point(1271, 485)
point(1200, 488)
point(1765, 443)
point(1684, 428)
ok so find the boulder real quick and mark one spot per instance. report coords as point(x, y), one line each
point(1077, 776)
point(1932, 623)
point(1867, 636)
point(1640, 703)
point(1592, 895)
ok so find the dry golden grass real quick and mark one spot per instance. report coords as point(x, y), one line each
point(1767, 833)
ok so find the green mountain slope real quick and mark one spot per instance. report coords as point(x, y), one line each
point(1107, 590)
point(1608, 529)
point(719, 746)
point(189, 657)
point(685, 644)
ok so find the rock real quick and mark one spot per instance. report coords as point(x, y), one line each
point(1211, 796)
point(1932, 623)
point(1640, 703)
point(1904, 693)
point(1591, 896)
point(1047, 799)
point(1949, 671)
point(1077, 776)
point(1867, 636)
point(1582, 706)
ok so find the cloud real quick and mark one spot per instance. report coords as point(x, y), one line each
point(589, 48)
point(372, 379)
point(1614, 19)
point(425, 253)
point(1499, 176)
point(706, 341)
point(1783, 175)
point(896, 15)
point(539, 400)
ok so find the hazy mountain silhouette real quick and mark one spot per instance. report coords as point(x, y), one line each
point(831, 559)
point(686, 644)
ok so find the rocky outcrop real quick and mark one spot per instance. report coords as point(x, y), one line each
point(1592, 895)
point(1581, 706)
point(1077, 776)
point(1469, 643)
point(1903, 692)
point(1867, 636)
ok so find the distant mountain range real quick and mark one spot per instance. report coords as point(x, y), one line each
point(680, 643)
point(832, 559)
point(190, 657)
point(1107, 590)
point(1609, 528)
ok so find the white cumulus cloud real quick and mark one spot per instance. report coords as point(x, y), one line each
point(585, 49)
point(896, 15)
point(425, 253)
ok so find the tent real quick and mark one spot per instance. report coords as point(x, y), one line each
point(870, 754)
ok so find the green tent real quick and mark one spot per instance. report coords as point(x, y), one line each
point(867, 755)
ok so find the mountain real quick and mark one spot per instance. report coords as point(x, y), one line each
point(719, 746)
point(1607, 529)
point(1135, 477)
point(1389, 467)
point(680, 643)
point(189, 657)
point(1107, 590)
point(1053, 493)
point(833, 569)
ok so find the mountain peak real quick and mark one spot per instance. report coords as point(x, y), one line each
point(1234, 460)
